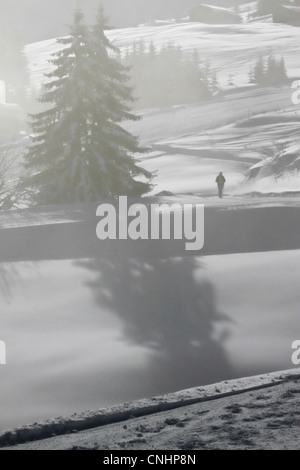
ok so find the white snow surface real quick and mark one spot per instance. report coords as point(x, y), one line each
point(230, 48)
point(65, 429)
point(227, 133)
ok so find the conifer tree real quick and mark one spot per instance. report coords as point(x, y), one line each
point(271, 71)
point(268, 71)
point(79, 151)
point(282, 72)
point(117, 146)
point(259, 71)
point(152, 51)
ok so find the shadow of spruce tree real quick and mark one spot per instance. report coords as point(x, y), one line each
point(168, 306)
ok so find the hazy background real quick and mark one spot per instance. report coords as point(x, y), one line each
point(44, 19)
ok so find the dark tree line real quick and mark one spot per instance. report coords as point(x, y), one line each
point(168, 76)
point(268, 71)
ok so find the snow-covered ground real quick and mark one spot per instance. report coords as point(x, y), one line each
point(230, 133)
point(191, 144)
point(90, 325)
point(252, 413)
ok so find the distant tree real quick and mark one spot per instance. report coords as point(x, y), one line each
point(282, 72)
point(268, 71)
point(152, 51)
point(250, 75)
point(79, 152)
point(231, 81)
point(271, 71)
point(259, 71)
point(141, 48)
point(169, 76)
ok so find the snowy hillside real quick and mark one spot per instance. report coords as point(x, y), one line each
point(91, 324)
point(229, 133)
point(231, 48)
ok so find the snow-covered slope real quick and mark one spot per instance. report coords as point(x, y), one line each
point(151, 425)
point(230, 48)
point(89, 325)
point(191, 144)
point(278, 173)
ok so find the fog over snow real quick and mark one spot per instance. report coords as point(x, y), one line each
point(89, 325)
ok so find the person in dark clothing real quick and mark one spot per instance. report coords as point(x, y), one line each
point(220, 180)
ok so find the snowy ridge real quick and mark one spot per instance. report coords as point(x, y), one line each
point(230, 131)
point(93, 419)
point(230, 48)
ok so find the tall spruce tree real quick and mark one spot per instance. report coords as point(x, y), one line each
point(118, 146)
point(79, 151)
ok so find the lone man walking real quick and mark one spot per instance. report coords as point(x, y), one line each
point(220, 180)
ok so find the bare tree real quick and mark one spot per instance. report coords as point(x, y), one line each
point(9, 178)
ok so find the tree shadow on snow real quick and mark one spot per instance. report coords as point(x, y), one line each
point(167, 306)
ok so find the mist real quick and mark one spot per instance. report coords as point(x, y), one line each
point(43, 19)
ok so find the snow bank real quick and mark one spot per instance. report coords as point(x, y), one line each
point(94, 419)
